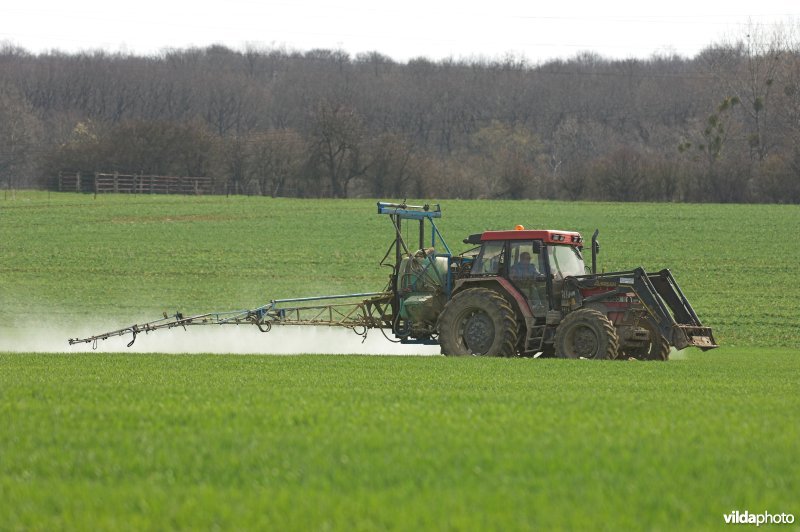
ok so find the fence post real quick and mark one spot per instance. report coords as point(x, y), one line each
point(95, 184)
point(78, 182)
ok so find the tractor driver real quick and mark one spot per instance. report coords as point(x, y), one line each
point(524, 269)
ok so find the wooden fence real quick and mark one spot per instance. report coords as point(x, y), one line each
point(99, 183)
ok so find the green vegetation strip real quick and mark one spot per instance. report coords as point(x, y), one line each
point(363, 443)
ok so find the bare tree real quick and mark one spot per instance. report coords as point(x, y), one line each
point(390, 173)
point(509, 157)
point(277, 160)
point(337, 146)
point(20, 131)
point(748, 71)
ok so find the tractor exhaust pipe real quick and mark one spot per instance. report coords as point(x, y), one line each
point(595, 251)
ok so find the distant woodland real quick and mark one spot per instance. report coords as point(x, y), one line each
point(723, 126)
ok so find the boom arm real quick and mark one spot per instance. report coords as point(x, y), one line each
point(359, 312)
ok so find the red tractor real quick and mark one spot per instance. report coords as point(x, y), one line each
point(528, 292)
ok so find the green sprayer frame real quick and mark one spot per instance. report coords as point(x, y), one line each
point(358, 311)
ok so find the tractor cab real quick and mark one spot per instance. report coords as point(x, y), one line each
point(535, 262)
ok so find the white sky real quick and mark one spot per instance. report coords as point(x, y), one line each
point(401, 30)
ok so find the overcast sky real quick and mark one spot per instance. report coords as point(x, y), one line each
point(401, 30)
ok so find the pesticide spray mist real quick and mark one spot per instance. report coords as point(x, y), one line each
point(224, 339)
point(234, 339)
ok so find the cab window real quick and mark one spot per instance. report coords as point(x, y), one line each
point(566, 260)
point(490, 259)
point(526, 260)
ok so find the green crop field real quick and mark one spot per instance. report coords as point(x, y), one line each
point(164, 441)
point(67, 258)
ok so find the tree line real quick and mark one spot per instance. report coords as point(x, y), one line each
point(722, 126)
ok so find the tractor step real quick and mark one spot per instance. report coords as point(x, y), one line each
point(534, 340)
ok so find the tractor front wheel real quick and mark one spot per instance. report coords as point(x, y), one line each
point(479, 322)
point(586, 333)
point(656, 348)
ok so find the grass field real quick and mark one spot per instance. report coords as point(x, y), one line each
point(132, 441)
point(68, 258)
point(364, 443)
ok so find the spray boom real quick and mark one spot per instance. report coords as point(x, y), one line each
point(359, 312)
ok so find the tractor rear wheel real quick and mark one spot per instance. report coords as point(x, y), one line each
point(586, 333)
point(479, 322)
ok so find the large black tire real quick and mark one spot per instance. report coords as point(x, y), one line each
point(656, 349)
point(586, 333)
point(479, 322)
